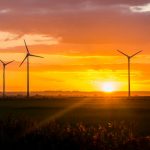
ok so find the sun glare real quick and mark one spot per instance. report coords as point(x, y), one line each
point(108, 87)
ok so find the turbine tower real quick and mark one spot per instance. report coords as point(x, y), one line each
point(129, 66)
point(4, 67)
point(28, 54)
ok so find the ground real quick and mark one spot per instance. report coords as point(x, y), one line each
point(90, 110)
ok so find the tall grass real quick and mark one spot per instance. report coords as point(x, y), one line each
point(26, 134)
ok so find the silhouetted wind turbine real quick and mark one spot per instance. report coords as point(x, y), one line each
point(129, 65)
point(28, 65)
point(4, 67)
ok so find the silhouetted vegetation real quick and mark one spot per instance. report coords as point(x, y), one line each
point(26, 134)
point(80, 123)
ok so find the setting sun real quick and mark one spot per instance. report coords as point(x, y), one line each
point(108, 87)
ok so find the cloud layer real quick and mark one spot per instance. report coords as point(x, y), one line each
point(9, 40)
point(91, 21)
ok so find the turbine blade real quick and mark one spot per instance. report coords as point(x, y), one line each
point(135, 54)
point(9, 62)
point(26, 46)
point(2, 62)
point(36, 56)
point(122, 53)
point(23, 60)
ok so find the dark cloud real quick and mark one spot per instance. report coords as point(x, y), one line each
point(78, 21)
point(53, 3)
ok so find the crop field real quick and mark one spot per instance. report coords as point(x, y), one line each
point(89, 110)
point(94, 123)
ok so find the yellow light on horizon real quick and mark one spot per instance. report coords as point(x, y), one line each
point(108, 87)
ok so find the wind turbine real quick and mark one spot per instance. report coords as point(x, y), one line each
point(28, 54)
point(129, 66)
point(4, 67)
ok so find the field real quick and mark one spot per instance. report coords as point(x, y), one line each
point(133, 113)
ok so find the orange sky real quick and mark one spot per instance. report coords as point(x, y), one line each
point(78, 40)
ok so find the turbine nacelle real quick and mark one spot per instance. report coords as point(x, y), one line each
point(28, 54)
point(128, 56)
point(5, 64)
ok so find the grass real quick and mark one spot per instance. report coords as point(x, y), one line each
point(26, 134)
point(75, 123)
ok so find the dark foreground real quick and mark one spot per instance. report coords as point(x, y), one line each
point(25, 134)
point(75, 123)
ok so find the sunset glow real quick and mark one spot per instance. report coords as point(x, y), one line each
point(78, 40)
point(108, 87)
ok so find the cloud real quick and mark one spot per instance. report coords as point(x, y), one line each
point(141, 9)
point(82, 63)
point(4, 11)
point(80, 22)
point(51, 8)
point(36, 7)
point(8, 40)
